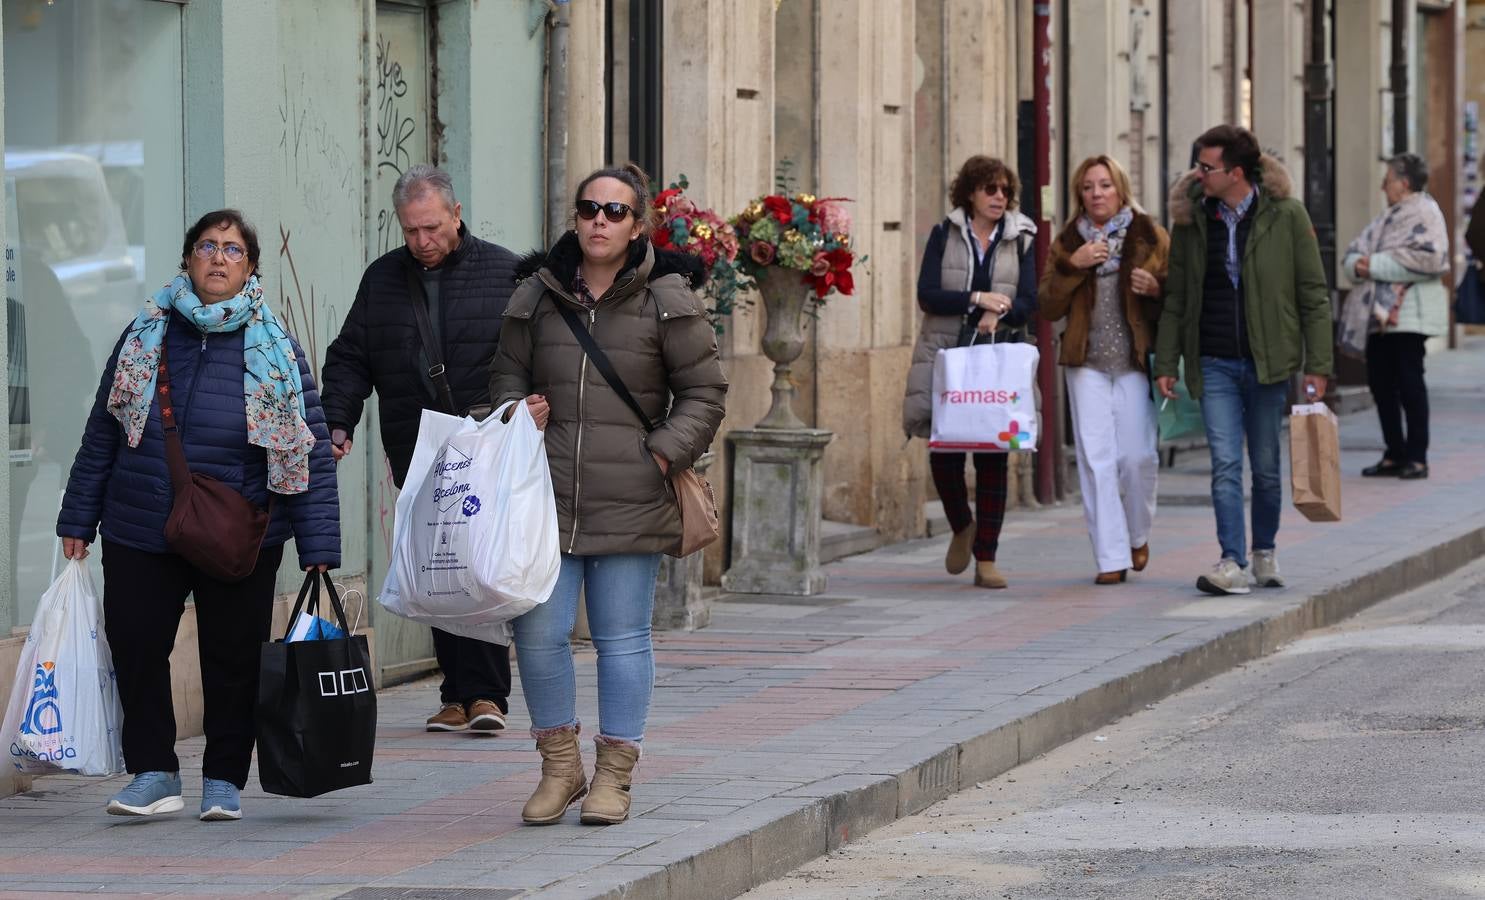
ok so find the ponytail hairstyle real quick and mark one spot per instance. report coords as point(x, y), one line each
point(637, 181)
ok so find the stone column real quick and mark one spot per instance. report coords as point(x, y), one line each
point(678, 599)
point(777, 483)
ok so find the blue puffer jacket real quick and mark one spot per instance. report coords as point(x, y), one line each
point(125, 492)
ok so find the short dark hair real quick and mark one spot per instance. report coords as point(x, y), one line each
point(636, 180)
point(1412, 168)
point(1239, 147)
point(981, 171)
point(222, 218)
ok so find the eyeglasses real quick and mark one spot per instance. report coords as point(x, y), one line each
point(992, 189)
point(1207, 169)
point(208, 249)
point(614, 212)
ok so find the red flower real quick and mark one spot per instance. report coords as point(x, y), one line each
point(762, 252)
point(661, 238)
point(780, 208)
point(840, 259)
point(845, 283)
point(663, 200)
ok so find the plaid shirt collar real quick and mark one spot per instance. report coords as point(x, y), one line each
point(581, 293)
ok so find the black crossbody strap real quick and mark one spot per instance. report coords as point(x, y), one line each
point(601, 362)
point(436, 371)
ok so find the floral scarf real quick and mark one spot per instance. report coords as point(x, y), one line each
point(1113, 231)
point(271, 384)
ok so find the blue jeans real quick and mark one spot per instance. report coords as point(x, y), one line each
point(1236, 406)
point(620, 591)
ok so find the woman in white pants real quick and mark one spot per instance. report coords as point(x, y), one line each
point(1104, 276)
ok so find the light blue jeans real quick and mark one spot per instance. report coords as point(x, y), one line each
point(1235, 407)
point(620, 592)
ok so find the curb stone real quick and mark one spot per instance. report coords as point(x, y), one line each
point(730, 856)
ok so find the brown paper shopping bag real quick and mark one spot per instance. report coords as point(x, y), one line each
point(1315, 462)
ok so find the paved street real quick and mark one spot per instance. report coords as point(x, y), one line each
point(793, 725)
point(1344, 766)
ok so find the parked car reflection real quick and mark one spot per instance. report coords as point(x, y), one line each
point(75, 281)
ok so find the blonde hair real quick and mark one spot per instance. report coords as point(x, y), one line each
point(1116, 175)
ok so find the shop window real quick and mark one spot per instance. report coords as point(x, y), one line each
point(94, 212)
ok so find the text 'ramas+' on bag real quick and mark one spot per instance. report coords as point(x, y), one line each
point(984, 399)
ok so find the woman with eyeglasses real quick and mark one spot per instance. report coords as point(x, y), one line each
point(977, 282)
point(1104, 276)
point(616, 510)
point(248, 415)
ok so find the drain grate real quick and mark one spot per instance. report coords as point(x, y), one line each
point(407, 893)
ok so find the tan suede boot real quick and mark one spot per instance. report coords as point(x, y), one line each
point(562, 778)
point(956, 560)
point(987, 576)
point(608, 802)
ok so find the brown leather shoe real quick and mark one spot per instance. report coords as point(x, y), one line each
point(1111, 577)
point(485, 717)
point(562, 778)
point(960, 545)
point(1140, 557)
point(450, 717)
point(987, 576)
point(608, 802)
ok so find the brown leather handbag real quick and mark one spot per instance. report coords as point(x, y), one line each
point(212, 526)
point(700, 524)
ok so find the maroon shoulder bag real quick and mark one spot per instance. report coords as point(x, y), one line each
point(215, 528)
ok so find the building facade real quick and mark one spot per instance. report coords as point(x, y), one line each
point(126, 119)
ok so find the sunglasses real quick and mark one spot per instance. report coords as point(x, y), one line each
point(614, 212)
point(992, 189)
point(208, 249)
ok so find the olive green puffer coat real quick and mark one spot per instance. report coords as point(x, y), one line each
point(611, 496)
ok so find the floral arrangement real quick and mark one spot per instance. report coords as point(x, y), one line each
point(803, 232)
point(693, 229)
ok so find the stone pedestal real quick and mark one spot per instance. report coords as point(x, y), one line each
point(678, 599)
point(777, 483)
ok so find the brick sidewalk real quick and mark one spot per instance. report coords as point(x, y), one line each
point(791, 724)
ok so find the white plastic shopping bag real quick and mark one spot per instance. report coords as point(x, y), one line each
point(984, 399)
point(474, 542)
point(64, 712)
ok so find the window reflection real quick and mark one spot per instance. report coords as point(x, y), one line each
point(94, 198)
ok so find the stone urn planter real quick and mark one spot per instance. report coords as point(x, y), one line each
point(785, 293)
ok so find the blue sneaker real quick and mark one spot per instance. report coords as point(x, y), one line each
point(148, 794)
point(220, 801)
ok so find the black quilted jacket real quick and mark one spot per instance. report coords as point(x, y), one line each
point(378, 346)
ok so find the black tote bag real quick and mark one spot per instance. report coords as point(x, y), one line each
point(316, 711)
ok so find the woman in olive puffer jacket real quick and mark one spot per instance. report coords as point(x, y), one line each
point(616, 511)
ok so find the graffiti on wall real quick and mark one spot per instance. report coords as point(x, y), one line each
point(397, 143)
point(300, 307)
point(316, 165)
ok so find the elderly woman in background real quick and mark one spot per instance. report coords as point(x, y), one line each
point(1104, 276)
point(249, 416)
point(978, 277)
point(1398, 262)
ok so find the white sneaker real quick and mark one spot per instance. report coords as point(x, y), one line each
point(1226, 577)
point(1266, 569)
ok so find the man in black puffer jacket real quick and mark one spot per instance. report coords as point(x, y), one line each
point(464, 283)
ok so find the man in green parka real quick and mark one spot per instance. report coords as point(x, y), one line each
point(1247, 307)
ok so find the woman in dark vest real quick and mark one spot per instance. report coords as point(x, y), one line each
point(978, 274)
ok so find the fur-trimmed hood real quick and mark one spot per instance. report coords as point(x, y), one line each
point(1016, 222)
point(1272, 178)
point(563, 259)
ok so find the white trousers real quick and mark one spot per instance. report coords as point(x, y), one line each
point(1115, 430)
